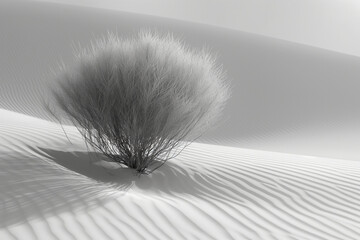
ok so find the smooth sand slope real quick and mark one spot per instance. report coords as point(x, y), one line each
point(286, 97)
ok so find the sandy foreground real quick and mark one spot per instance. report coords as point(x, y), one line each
point(283, 163)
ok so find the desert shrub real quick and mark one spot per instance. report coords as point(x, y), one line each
point(142, 99)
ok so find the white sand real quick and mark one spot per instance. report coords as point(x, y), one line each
point(51, 189)
point(287, 98)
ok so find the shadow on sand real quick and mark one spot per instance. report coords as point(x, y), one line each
point(170, 178)
point(33, 186)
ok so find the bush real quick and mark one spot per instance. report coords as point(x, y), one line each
point(139, 100)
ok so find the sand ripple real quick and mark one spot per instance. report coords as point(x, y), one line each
point(51, 189)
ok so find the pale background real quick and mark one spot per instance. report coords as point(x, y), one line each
point(329, 24)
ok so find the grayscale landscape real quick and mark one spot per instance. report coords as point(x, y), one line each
point(283, 162)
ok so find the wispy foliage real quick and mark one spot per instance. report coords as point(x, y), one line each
point(140, 100)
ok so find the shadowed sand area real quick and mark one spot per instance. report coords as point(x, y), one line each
point(282, 164)
point(208, 192)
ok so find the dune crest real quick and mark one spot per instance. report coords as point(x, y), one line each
point(287, 97)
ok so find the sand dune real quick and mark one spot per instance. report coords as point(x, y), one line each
point(51, 189)
point(286, 98)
